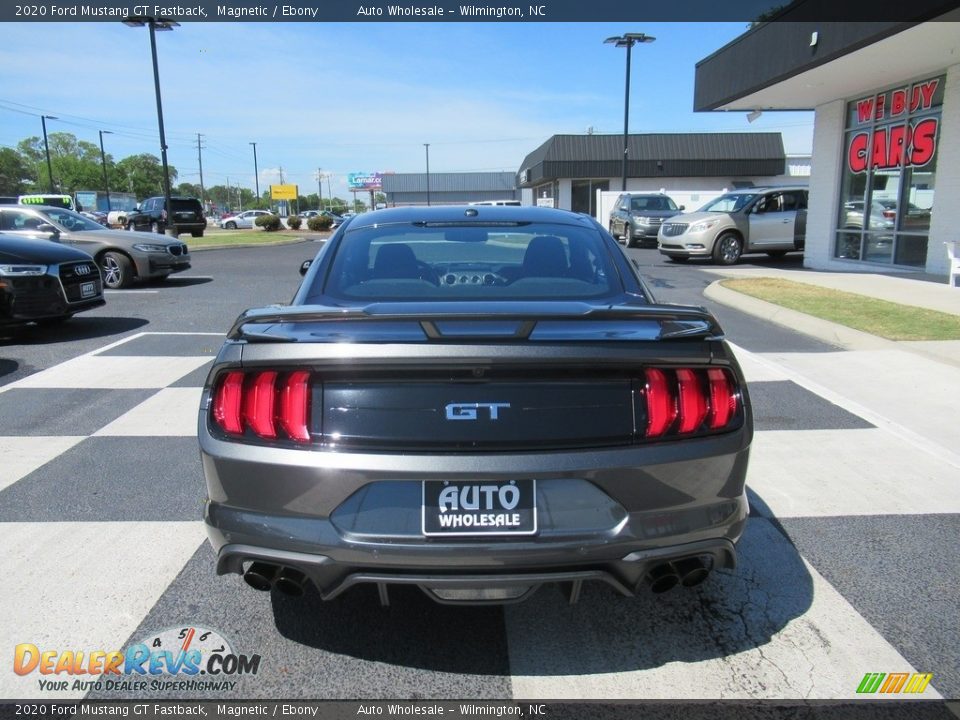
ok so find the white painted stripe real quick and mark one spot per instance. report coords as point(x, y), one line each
point(130, 292)
point(171, 412)
point(774, 628)
point(22, 455)
point(819, 473)
point(860, 391)
point(115, 371)
point(82, 586)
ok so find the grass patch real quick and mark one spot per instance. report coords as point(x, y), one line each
point(246, 237)
point(877, 317)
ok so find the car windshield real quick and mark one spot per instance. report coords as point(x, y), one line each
point(652, 203)
point(74, 222)
point(470, 262)
point(729, 203)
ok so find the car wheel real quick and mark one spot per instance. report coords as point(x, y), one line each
point(727, 249)
point(628, 236)
point(155, 227)
point(117, 270)
point(131, 227)
point(196, 233)
point(231, 226)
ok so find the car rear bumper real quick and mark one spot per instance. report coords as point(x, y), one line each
point(342, 518)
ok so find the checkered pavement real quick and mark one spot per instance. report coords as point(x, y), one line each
point(100, 506)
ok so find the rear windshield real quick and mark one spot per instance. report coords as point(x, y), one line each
point(185, 204)
point(471, 262)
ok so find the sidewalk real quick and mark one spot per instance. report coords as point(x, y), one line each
point(912, 388)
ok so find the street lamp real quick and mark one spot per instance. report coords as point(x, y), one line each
point(427, 146)
point(46, 147)
point(103, 161)
point(627, 40)
point(256, 173)
point(158, 24)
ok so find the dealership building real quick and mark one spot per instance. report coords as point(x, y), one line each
point(572, 172)
point(448, 188)
point(885, 168)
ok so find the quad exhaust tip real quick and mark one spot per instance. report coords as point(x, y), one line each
point(264, 577)
point(687, 572)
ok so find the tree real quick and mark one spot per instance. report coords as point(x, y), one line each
point(143, 175)
point(16, 173)
point(76, 163)
point(188, 190)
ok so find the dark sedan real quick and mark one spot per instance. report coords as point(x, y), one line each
point(45, 282)
point(475, 401)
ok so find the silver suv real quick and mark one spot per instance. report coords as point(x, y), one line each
point(769, 220)
point(637, 216)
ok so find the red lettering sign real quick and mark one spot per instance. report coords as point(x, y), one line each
point(911, 145)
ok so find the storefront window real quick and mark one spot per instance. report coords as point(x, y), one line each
point(889, 175)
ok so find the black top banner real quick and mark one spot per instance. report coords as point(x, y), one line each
point(480, 11)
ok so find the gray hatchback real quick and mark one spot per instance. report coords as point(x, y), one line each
point(475, 401)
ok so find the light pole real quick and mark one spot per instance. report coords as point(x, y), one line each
point(427, 146)
point(103, 161)
point(256, 173)
point(627, 40)
point(155, 24)
point(46, 147)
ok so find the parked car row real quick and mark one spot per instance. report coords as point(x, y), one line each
point(768, 220)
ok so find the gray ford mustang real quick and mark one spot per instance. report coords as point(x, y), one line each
point(475, 401)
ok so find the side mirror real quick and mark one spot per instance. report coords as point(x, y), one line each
point(48, 229)
point(682, 207)
point(304, 266)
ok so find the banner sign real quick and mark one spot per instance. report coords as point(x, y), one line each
point(365, 181)
point(283, 192)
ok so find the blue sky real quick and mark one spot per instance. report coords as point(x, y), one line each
point(352, 97)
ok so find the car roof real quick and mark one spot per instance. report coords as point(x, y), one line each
point(477, 213)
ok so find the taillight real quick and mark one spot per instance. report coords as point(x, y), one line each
point(270, 405)
point(685, 401)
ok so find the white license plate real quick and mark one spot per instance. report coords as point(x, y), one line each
point(88, 289)
point(479, 508)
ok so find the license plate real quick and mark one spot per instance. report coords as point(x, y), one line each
point(88, 289)
point(458, 509)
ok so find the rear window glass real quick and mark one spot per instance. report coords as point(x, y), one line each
point(185, 204)
point(471, 262)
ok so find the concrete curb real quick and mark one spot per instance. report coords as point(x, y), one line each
point(824, 330)
point(828, 332)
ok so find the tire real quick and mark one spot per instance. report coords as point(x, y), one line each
point(231, 225)
point(117, 270)
point(727, 249)
point(615, 236)
point(628, 236)
point(131, 226)
point(155, 227)
point(196, 233)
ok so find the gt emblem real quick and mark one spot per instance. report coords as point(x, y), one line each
point(469, 411)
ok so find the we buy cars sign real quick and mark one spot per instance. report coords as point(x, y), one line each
point(912, 143)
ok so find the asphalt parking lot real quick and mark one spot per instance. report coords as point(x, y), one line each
point(848, 565)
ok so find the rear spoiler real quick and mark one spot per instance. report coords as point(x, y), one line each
point(482, 321)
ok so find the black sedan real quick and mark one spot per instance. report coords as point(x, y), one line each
point(45, 282)
point(475, 401)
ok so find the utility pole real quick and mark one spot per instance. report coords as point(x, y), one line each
point(256, 173)
point(200, 160)
point(319, 190)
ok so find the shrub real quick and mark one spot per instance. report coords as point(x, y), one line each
point(294, 222)
point(268, 222)
point(319, 223)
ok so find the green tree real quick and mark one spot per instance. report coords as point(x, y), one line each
point(16, 172)
point(143, 175)
point(188, 190)
point(76, 163)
